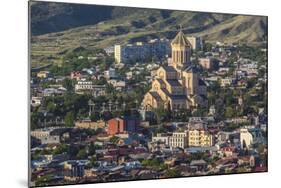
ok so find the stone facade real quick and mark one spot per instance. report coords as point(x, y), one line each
point(177, 85)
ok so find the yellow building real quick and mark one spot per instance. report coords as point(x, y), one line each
point(43, 74)
point(90, 124)
point(118, 53)
point(200, 138)
point(177, 85)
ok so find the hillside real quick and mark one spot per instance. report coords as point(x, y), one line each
point(58, 28)
point(55, 17)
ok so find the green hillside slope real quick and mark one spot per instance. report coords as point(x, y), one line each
point(58, 28)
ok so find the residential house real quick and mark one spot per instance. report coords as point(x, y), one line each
point(44, 74)
point(76, 75)
point(36, 101)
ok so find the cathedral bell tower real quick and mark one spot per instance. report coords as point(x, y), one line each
point(181, 51)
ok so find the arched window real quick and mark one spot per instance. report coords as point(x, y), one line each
point(161, 74)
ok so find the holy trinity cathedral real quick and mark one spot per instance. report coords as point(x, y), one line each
point(177, 85)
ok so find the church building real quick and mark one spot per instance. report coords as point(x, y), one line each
point(177, 85)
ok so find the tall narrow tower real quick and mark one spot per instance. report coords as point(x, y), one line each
point(181, 51)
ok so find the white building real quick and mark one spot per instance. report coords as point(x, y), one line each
point(36, 101)
point(140, 51)
point(117, 84)
point(109, 50)
point(88, 87)
point(46, 136)
point(50, 140)
point(53, 91)
point(178, 139)
point(84, 85)
point(226, 82)
point(161, 138)
point(248, 137)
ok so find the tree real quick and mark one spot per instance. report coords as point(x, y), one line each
point(35, 117)
point(261, 149)
point(172, 173)
point(67, 83)
point(61, 149)
point(95, 116)
point(154, 164)
point(92, 149)
point(138, 23)
point(165, 13)
point(241, 170)
point(229, 112)
point(114, 139)
point(207, 47)
point(94, 162)
point(82, 154)
point(69, 119)
point(51, 106)
point(160, 113)
point(109, 89)
point(152, 19)
point(73, 150)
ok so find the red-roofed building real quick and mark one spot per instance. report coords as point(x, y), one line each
point(228, 151)
point(261, 168)
point(75, 75)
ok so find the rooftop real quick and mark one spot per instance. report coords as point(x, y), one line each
point(155, 95)
point(169, 68)
point(174, 83)
point(181, 40)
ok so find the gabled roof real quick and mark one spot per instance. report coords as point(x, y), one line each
point(169, 68)
point(174, 97)
point(198, 162)
point(155, 95)
point(191, 69)
point(178, 97)
point(174, 82)
point(181, 40)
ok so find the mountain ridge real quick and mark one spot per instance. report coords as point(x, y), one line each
point(59, 27)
